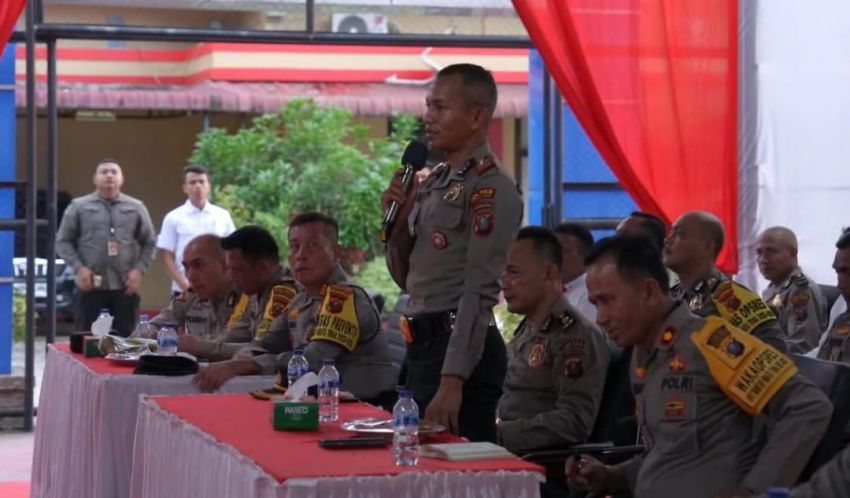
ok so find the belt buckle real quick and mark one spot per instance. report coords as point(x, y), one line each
point(406, 329)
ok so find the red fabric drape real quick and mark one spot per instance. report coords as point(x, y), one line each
point(10, 11)
point(654, 85)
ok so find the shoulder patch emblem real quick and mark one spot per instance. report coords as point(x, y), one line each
point(749, 371)
point(483, 224)
point(337, 320)
point(537, 355)
point(741, 307)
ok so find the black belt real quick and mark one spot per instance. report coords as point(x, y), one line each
point(426, 326)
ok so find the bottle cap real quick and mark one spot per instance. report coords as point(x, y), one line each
point(405, 393)
point(328, 361)
point(298, 351)
point(144, 318)
point(104, 310)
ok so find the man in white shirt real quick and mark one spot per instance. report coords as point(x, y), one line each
point(197, 216)
point(576, 242)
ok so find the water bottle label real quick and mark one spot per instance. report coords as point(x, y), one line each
point(408, 419)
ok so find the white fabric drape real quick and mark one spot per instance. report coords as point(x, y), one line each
point(801, 138)
point(215, 469)
point(86, 425)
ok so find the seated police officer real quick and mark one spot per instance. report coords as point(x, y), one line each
point(698, 384)
point(691, 250)
point(253, 261)
point(330, 318)
point(205, 308)
point(557, 359)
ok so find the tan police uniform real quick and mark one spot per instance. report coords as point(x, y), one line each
point(554, 382)
point(203, 318)
point(697, 392)
point(801, 309)
point(341, 324)
point(251, 320)
point(718, 295)
point(459, 233)
point(836, 347)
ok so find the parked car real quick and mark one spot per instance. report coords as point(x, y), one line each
point(65, 286)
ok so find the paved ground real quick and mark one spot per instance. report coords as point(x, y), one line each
point(16, 446)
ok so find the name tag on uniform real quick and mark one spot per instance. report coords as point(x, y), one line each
point(112, 248)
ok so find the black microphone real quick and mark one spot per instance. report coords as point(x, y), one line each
point(412, 160)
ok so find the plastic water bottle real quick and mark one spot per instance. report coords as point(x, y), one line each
point(167, 339)
point(328, 392)
point(297, 366)
point(406, 430)
point(104, 313)
point(144, 328)
point(778, 493)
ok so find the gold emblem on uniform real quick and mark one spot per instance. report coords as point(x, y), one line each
point(695, 304)
point(538, 353)
point(640, 372)
point(677, 364)
point(668, 336)
point(776, 302)
point(454, 192)
point(674, 408)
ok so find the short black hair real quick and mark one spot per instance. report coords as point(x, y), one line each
point(478, 82)
point(330, 225)
point(545, 243)
point(107, 160)
point(635, 258)
point(195, 168)
point(844, 239)
point(579, 232)
point(255, 242)
point(655, 226)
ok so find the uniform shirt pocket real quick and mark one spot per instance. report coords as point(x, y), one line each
point(448, 216)
point(125, 222)
point(677, 432)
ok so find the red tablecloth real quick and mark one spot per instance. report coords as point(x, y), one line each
point(245, 423)
point(97, 364)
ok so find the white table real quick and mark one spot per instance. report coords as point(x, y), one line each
point(87, 421)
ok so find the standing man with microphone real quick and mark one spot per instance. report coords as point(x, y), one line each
point(447, 247)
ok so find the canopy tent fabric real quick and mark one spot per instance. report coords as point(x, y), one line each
point(10, 11)
point(796, 145)
point(654, 85)
point(363, 99)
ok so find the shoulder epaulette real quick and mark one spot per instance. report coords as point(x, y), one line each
point(485, 164)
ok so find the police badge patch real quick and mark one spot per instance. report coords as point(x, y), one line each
point(537, 355)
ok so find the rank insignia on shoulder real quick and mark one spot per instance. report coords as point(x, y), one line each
point(668, 335)
point(566, 320)
point(485, 164)
point(231, 299)
point(537, 355)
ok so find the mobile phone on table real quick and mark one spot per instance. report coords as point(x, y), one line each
point(353, 442)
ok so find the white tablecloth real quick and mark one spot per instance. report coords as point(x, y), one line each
point(176, 459)
point(86, 424)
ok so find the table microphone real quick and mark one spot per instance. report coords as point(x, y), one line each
point(412, 161)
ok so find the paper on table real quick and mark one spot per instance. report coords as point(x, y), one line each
point(102, 326)
point(457, 452)
point(296, 391)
